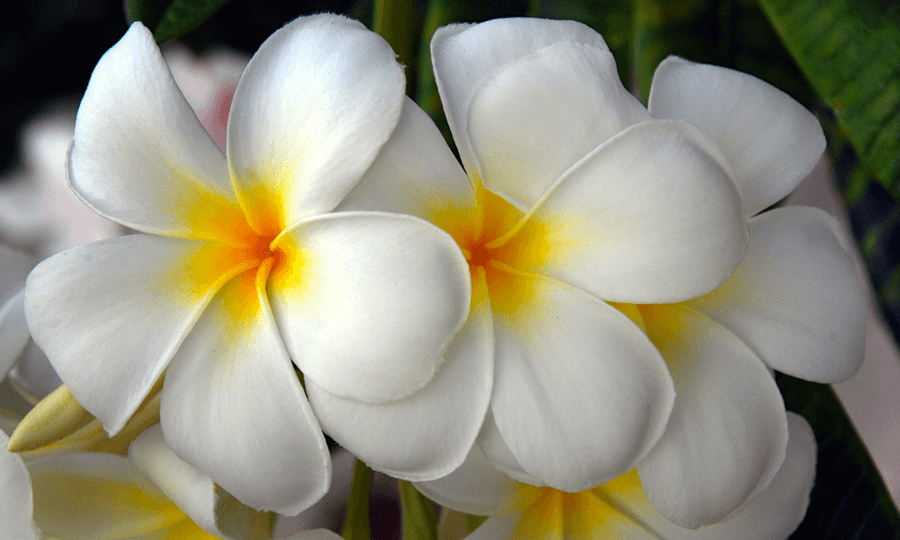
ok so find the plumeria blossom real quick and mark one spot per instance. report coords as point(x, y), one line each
point(620, 509)
point(794, 304)
point(241, 267)
point(148, 494)
point(573, 201)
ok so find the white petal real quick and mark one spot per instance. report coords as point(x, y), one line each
point(15, 495)
point(141, 157)
point(537, 116)
point(110, 315)
point(368, 302)
point(416, 174)
point(97, 496)
point(429, 433)
point(464, 56)
point(580, 393)
point(193, 492)
point(496, 528)
point(796, 298)
point(14, 334)
point(491, 443)
point(727, 434)
point(312, 110)
point(771, 141)
point(476, 488)
point(649, 217)
point(775, 512)
point(233, 407)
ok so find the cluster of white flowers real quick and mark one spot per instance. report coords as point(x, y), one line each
point(573, 331)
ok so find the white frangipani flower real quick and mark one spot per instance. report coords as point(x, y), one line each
point(241, 267)
point(576, 199)
point(620, 509)
point(794, 304)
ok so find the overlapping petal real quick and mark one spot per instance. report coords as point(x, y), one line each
point(141, 157)
point(537, 116)
point(465, 56)
point(774, 513)
point(15, 490)
point(771, 141)
point(96, 496)
point(233, 407)
point(727, 434)
point(795, 299)
point(417, 174)
point(426, 435)
point(477, 488)
point(194, 493)
point(368, 302)
point(580, 393)
point(617, 224)
point(313, 108)
point(110, 315)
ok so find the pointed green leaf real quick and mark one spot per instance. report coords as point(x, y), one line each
point(849, 498)
point(169, 19)
point(850, 51)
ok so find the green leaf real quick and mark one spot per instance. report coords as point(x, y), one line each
point(169, 19)
point(850, 52)
point(394, 20)
point(849, 498)
point(419, 514)
point(356, 520)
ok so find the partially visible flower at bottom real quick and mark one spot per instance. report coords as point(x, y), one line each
point(148, 494)
point(620, 509)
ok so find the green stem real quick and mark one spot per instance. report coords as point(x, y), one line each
point(419, 514)
point(356, 521)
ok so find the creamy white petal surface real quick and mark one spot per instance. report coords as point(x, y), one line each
point(233, 407)
point(110, 315)
point(415, 174)
point(352, 280)
point(402, 438)
point(311, 111)
point(14, 334)
point(771, 141)
point(580, 394)
point(569, 100)
point(727, 434)
point(795, 298)
point(458, 53)
point(154, 168)
point(632, 228)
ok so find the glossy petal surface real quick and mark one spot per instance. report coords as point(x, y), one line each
point(233, 407)
point(796, 298)
point(771, 141)
point(311, 111)
point(368, 302)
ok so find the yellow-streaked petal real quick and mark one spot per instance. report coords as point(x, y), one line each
point(312, 109)
point(631, 229)
point(233, 407)
point(111, 314)
point(167, 176)
point(577, 375)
